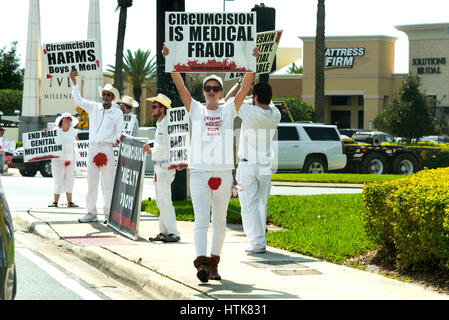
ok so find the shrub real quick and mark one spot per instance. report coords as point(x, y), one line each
point(300, 110)
point(440, 160)
point(411, 217)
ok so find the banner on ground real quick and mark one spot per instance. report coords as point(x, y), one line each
point(40, 145)
point(210, 42)
point(129, 121)
point(267, 42)
point(82, 56)
point(126, 198)
point(81, 151)
point(179, 137)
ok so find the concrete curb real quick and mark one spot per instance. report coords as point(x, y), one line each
point(150, 282)
point(316, 184)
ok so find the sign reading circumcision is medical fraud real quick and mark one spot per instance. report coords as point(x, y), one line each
point(61, 58)
point(126, 197)
point(179, 137)
point(40, 145)
point(210, 42)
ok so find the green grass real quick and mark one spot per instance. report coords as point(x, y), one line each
point(328, 227)
point(334, 177)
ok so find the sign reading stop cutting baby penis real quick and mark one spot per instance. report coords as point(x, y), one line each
point(210, 42)
point(61, 58)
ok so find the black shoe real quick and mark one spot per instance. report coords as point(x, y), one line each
point(159, 237)
point(171, 238)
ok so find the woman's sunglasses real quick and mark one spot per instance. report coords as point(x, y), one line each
point(208, 88)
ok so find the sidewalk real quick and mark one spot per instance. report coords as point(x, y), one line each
point(166, 271)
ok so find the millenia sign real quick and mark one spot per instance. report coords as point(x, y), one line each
point(342, 57)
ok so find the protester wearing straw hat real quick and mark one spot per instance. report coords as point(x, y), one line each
point(2, 150)
point(211, 163)
point(127, 103)
point(105, 128)
point(63, 169)
point(163, 177)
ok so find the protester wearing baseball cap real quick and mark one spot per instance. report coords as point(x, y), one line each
point(105, 129)
point(163, 177)
point(211, 163)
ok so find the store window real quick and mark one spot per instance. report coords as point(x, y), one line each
point(361, 101)
point(340, 100)
point(360, 120)
point(341, 118)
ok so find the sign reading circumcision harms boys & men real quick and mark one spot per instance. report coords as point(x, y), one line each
point(210, 42)
point(179, 137)
point(267, 42)
point(40, 145)
point(126, 197)
point(61, 58)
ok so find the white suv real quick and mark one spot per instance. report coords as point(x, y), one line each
point(309, 147)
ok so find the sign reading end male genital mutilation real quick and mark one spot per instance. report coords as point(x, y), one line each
point(210, 42)
point(81, 56)
point(40, 145)
point(179, 137)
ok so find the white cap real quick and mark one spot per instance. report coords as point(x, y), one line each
point(213, 77)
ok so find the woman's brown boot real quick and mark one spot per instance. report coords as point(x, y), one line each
point(213, 267)
point(201, 264)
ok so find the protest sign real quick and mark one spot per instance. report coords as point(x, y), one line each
point(210, 42)
point(179, 137)
point(125, 206)
point(267, 43)
point(82, 56)
point(40, 145)
point(129, 121)
point(7, 145)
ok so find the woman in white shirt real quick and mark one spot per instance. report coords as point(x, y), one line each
point(63, 169)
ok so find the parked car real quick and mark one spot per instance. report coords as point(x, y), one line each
point(437, 139)
point(309, 147)
point(350, 132)
point(376, 138)
point(29, 169)
point(8, 276)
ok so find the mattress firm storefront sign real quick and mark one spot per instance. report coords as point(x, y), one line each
point(342, 57)
point(428, 65)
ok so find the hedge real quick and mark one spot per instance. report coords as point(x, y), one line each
point(410, 217)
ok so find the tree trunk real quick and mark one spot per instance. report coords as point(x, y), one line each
point(118, 79)
point(319, 62)
point(137, 92)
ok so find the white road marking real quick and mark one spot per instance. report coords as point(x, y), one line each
point(59, 276)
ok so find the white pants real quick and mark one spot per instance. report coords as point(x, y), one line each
point(63, 176)
point(203, 198)
point(94, 174)
point(163, 179)
point(255, 185)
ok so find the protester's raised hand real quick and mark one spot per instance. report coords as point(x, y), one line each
point(165, 50)
point(73, 75)
point(256, 52)
point(146, 148)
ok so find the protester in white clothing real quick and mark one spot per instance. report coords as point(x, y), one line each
point(163, 177)
point(2, 150)
point(211, 163)
point(259, 122)
point(126, 104)
point(105, 129)
point(63, 169)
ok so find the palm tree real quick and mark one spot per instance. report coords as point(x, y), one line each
point(319, 62)
point(123, 5)
point(138, 68)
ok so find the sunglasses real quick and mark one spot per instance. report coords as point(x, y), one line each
point(155, 106)
point(106, 94)
point(209, 88)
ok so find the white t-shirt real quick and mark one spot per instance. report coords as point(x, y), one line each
point(256, 134)
point(68, 141)
point(160, 151)
point(212, 142)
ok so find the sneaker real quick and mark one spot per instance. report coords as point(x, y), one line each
point(88, 218)
point(253, 250)
point(171, 238)
point(159, 237)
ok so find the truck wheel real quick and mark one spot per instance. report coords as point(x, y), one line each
point(405, 164)
point(45, 170)
point(28, 173)
point(315, 165)
point(374, 163)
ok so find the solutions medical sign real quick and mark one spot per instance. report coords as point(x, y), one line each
point(342, 57)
